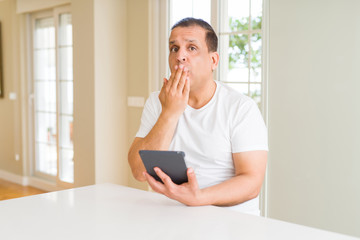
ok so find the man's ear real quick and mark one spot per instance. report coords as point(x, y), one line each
point(214, 56)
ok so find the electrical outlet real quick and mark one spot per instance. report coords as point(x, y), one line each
point(17, 157)
point(12, 96)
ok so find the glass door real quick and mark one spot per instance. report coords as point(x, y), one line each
point(53, 96)
point(65, 50)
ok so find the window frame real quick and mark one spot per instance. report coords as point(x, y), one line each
point(55, 14)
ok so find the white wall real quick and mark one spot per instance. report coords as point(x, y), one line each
point(100, 91)
point(111, 134)
point(84, 91)
point(314, 113)
point(10, 110)
point(23, 6)
point(138, 69)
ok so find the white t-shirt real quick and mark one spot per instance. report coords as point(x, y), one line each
point(229, 123)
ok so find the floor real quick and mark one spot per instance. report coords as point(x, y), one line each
point(10, 190)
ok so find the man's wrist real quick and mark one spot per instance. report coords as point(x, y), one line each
point(168, 118)
point(203, 197)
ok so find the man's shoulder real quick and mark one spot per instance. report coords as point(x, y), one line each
point(154, 97)
point(154, 94)
point(231, 95)
point(153, 101)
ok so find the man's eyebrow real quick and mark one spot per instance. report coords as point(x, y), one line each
point(188, 40)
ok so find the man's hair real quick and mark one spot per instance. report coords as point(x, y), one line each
point(211, 39)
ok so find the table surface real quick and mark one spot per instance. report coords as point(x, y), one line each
point(109, 211)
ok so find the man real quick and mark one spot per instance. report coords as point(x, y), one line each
point(220, 130)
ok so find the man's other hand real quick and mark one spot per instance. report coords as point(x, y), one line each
point(186, 193)
point(174, 94)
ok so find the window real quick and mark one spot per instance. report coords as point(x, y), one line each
point(240, 46)
point(189, 8)
point(239, 27)
point(52, 84)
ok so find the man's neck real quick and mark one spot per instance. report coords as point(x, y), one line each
point(201, 96)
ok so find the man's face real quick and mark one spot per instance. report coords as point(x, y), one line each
point(188, 47)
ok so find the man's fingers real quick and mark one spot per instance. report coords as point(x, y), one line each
point(171, 78)
point(192, 178)
point(182, 80)
point(155, 185)
point(165, 178)
point(177, 77)
point(165, 81)
point(186, 89)
point(172, 75)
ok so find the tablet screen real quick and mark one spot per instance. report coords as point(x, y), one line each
point(170, 162)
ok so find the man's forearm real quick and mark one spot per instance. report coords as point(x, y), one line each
point(159, 138)
point(234, 191)
point(174, 97)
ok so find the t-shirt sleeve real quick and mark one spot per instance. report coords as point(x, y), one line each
point(249, 132)
point(149, 116)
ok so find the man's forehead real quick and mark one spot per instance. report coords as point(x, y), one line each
point(188, 34)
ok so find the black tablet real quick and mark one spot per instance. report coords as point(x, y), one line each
point(170, 162)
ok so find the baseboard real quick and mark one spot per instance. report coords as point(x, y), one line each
point(29, 181)
point(43, 184)
point(12, 177)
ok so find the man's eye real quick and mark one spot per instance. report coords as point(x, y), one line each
point(173, 49)
point(192, 48)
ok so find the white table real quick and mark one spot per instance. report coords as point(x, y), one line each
point(109, 211)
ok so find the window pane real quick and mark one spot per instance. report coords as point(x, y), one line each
point(66, 63)
point(256, 14)
point(202, 9)
point(45, 127)
point(235, 16)
point(65, 47)
point(66, 130)
point(46, 156)
point(234, 58)
point(67, 102)
point(45, 96)
point(44, 36)
point(44, 64)
point(256, 50)
point(255, 93)
point(66, 162)
point(180, 9)
point(67, 165)
point(65, 30)
point(240, 87)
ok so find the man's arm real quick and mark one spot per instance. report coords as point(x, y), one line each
point(250, 170)
point(174, 97)
point(159, 138)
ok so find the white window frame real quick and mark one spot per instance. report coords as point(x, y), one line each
point(44, 179)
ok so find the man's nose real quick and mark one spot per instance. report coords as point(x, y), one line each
point(181, 56)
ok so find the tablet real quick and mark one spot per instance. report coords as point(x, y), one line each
point(170, 162)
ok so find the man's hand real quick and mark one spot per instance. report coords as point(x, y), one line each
point(250, 170)
point(186, 193)
point(174, 95)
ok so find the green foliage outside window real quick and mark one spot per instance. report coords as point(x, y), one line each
point(239, 48)
point(239, 44)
